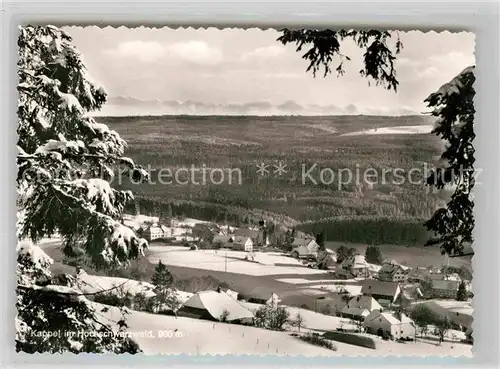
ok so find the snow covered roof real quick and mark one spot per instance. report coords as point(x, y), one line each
point(241, 240)
point(355, 261)
point(297, 242)
point(389, 268)
point(274, 299)
point(355, 311)
point(374, 287)
point(247, 232)
point(365, 302)
point(374, 267)
point(215, 303)
point(377, 314)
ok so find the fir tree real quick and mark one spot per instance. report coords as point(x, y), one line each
point(65, 162)
point(462, 292)
point(168, 212)
point(320, 240)
point(373, 255)
point(166, 295)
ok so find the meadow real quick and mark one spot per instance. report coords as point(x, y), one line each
point(331, 143)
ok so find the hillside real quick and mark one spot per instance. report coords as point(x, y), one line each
point(390, 146)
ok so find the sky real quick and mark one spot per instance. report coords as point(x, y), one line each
point(235, 66)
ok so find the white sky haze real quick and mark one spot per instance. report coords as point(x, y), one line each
point(235, 66)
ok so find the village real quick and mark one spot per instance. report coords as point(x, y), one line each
point(347, 302)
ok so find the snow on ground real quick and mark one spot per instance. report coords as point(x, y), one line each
point(464, 307)
point(273, 258)
point(303, 281)
point(216, 260)
point(190, 222)
point(88, 283)
point(353, 289)
point(405, 130)
point(312, 320)
point(136, 221)
point(199, 337)
point(310, 291)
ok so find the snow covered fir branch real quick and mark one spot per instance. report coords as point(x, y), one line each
point(55, 134)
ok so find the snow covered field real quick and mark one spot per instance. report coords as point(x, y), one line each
point(308, 281)
point(88, 283)
point(236, 263)
point(353, 290)
point(199, 337)
point(397, 130)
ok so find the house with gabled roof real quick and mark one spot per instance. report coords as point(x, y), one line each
point(443, 288)
point(393, 272)
point(258, 236)
point(384, 292)
point(153, 232)
point(241, 243)
point(205, 232)
point(357, 265)
point(305, 247)
point(360, 307)
point(222, 240)
point(212, 305)
point(393, 325)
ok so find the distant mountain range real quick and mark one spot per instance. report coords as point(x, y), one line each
point(128, 106)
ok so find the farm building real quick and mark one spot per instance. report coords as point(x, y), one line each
point(212, 305)
point(241, 243)
point(393, 272)
point(385, 293)
point(305, 247)
point(394, 325)
point(205, 232)
point(258, 236)
point(442, 288)
point(222, 240)
point(153, 232)
point(357, 265)
point(360, 307)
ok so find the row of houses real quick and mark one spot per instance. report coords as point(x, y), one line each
point(223, 306)
point(443, 285)
point(241, 239)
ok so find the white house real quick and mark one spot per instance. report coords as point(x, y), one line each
point(357, 265)
point(153, 232)
point(258, 236)
point(241, 243)
point(394, 325)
